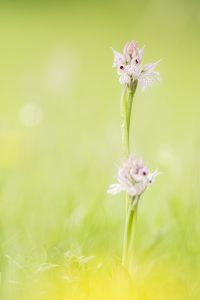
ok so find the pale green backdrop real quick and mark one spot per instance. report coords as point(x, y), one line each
point(60, 141)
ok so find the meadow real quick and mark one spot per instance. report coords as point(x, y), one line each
point(60, 145)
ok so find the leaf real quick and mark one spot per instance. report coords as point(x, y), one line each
point(45, 267)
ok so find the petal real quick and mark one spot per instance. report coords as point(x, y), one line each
point(141, 53)
point(151, 67)
point(151, 177)
point(147, 78)
point(125, 50)
point(116, 53)
point(132, 191)
point(132, 47)
point(118, 59)
point(114, 189)
point(124, 78)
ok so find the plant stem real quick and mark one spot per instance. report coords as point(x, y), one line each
point(126, 108)
point(129, 234)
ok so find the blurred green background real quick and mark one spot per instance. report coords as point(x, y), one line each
point(60, 138)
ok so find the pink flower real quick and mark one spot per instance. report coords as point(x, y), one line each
point(133, 177)
point(129, 66)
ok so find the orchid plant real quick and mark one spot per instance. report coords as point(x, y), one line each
point(133, 176)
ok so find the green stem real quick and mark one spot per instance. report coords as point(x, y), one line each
point(129, 234)
point(126, 108)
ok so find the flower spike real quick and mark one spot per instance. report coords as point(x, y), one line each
point(133, 177)
point(130, 69)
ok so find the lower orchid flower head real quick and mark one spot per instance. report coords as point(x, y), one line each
point(133, 177)
point(130, 69)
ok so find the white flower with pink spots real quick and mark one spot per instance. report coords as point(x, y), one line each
point(133, 177)
point(129, 66)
